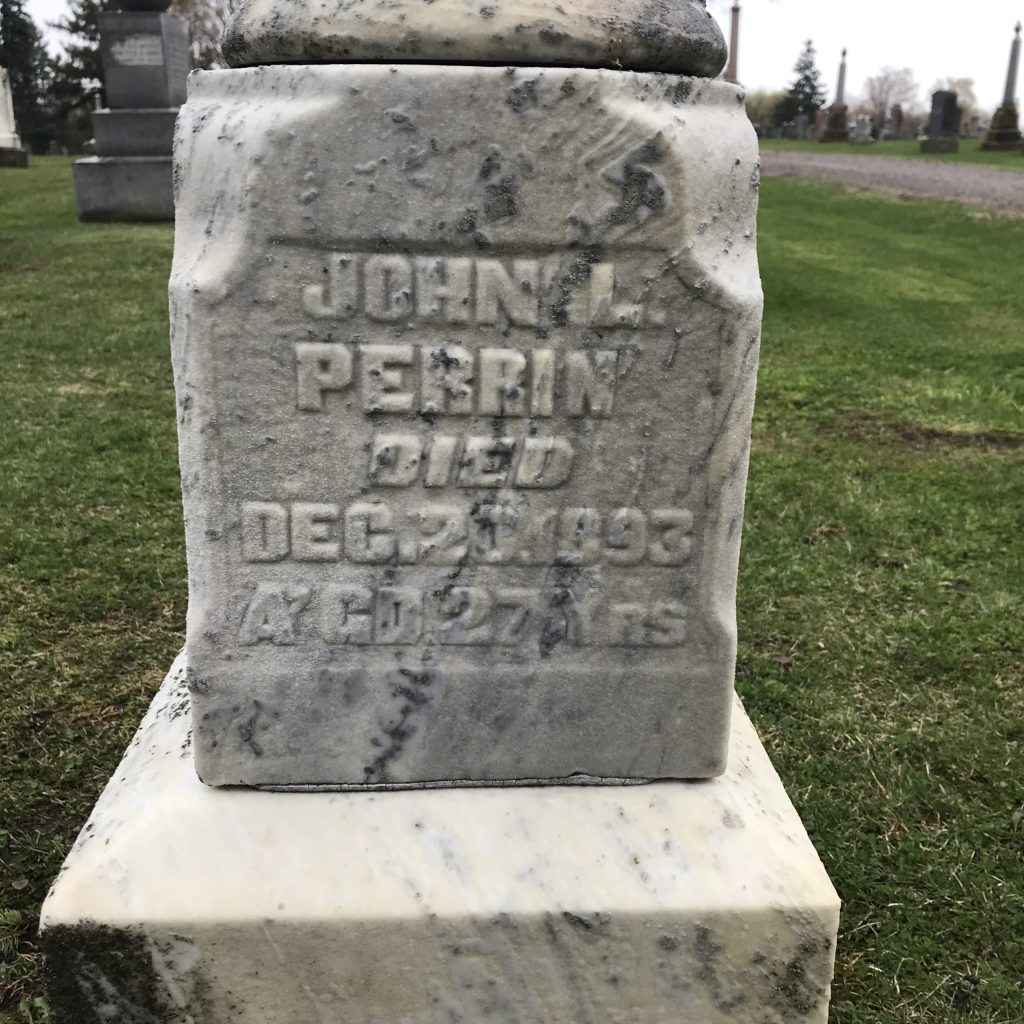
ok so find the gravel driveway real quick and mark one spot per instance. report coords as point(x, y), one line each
point(963, 183)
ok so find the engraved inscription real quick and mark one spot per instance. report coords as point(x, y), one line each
point(278, 614)
point(393, 288)
point(417, 375)
point(142, 49)
point(449, 380)
point(488, 533)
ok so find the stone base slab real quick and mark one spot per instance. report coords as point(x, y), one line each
point(124, 188)
point(13, 157)
point(949, 144)
point(142, 132)
point(671, 903)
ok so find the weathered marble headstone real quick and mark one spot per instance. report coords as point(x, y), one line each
point(465, 360)
point(464, 414)
point(1004, 129)
point(943, 124)
point(837, 125)
point(862, 132)
point(11, 152)
point(146, 59)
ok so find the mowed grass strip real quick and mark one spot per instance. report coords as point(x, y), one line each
point(880, 593)
point(92, 576)
point(970, 151)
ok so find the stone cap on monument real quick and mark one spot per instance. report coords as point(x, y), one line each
point(674, 36)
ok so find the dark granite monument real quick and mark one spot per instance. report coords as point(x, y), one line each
point(145, 67)
point(943, 124)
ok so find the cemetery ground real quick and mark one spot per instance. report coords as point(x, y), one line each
point(881, 585)
point(970, 151)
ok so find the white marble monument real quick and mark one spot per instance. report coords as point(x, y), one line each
point(8, 135)
point(499, 328)
point(465, 361)
point(11, 153)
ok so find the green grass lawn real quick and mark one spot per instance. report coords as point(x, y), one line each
point(970, 151)
point(881, 590)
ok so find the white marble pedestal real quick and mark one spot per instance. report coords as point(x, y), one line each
point(669, 903)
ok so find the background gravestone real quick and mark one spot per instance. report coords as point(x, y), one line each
point(464, 358)
point(146, 58)
point(837, 124)
point(11, 152)
point(1004, 129)
point(943, 124)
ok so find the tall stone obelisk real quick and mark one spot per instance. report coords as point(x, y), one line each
point(837, 127)
point(732, 69)
point(11, 152)
point(1004, 131)
point(465, 317)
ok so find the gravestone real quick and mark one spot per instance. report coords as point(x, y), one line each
point(897, 121)
point(862, 132)
point(464, 358)
point(1004, 129)
point(145, 54)
point(837, 126)
point(11, 152)
point(943, 124)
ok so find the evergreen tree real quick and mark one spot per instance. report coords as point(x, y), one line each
point(31, 70)
point(206, 20)
point(807, 93)
point(78, 77)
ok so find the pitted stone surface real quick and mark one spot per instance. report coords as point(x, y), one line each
point(675, 903)
point(678, 36)
point(465, 361)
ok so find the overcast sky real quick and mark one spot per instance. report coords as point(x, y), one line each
point(935, 38)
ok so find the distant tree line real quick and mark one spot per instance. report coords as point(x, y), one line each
point(891, 98)
point(55, 95)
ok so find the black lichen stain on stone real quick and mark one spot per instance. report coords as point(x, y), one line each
point(706, 950)
point(639, 187)
point(258, 720)
point(500, 191)
point(668, 944)
point(553, 36)
point(194, 683)
point(91, 969)
point(523, 96)
point(679, 92)
point(562, 621)
point(794, 993)
point(577, 275)
point(579, 923)
point(411, 694)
